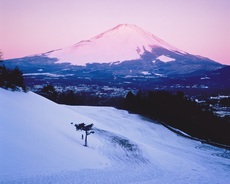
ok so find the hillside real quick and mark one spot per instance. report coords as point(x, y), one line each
point(39, 145)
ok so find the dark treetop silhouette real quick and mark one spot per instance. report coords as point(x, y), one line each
point(86, 128)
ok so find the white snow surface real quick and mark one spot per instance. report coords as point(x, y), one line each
point(146, 73)
point(164, 58)
point(123, 42)
point(39, 145)
point(46, 74)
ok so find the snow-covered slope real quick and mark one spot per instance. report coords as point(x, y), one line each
point(39, 145)
point(123, 42)
point(164, 58)
point(36, 135)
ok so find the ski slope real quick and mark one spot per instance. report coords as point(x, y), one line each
point(39, 145)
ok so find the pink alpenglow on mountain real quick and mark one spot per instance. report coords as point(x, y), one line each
point(123, 42)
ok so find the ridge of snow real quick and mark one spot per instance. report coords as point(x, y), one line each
point(123, 42)
point(164, 59)
point(47, 74)
point(146, 73)
point(39, 145)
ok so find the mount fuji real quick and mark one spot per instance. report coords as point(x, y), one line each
point(123, 42)
point(125, 54)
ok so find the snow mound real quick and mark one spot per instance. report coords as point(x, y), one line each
point(39, 145)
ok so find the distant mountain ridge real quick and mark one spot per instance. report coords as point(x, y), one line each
point(124, 56)
point(127, 42)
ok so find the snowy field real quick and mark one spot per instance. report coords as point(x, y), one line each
point(38, 145)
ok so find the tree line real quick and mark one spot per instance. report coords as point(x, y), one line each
point(180, 112)
point(11, 78)
point(70, 97)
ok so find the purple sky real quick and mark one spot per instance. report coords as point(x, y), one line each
point(200, 27)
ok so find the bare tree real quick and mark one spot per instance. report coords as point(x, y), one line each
point(87, 128)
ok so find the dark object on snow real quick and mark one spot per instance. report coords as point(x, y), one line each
point(86, 128)
point(80, 126)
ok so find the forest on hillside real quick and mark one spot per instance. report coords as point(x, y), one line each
point(11, 78)
point(179, 111)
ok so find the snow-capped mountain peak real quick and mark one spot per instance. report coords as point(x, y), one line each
point(121, 43)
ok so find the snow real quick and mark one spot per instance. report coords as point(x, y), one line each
point(219, 97)
point(204, 78)
point(159, 74)
point(223, 113)
point(123, 42)
point(47, 74)
point(39, 145)
point(146, 73)
point(164, 58)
